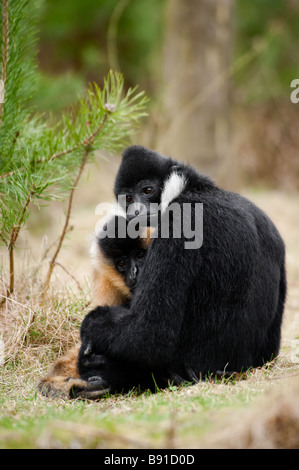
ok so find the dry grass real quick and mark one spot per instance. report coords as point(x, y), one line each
point(261, 411)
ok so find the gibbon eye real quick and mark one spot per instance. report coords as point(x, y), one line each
point(148, 190)
point(121, 263)
point(141, 254)
point(129, 199)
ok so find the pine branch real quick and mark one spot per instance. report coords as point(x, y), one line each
point(35, 156)
point(85, 143)
point(113, 116)
point(5, 50)
point(11, 173)
point(5, 40)
point(18, 62)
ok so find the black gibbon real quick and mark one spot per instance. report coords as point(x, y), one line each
point(200, 309)
point(117, 263)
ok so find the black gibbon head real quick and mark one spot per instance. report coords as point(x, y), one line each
point(126, 254)
point(141, 179)
point(146, 177)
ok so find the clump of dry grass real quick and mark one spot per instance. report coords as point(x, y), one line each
point(34, 331)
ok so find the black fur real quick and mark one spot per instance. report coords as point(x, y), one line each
point(115, 376)
point(196, 312)
point(97, 369)
point(125, 253)
point(139, 163)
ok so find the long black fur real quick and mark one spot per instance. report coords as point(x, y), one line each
point(196, 312)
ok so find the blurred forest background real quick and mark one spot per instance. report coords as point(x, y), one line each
point(218, 74)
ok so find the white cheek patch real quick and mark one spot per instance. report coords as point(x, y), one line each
point(173, 187)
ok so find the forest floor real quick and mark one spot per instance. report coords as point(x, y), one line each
point(259, 412)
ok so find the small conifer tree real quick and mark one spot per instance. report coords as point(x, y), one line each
point(40, 160)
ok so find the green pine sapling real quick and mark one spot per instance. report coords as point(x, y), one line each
point(39, 160)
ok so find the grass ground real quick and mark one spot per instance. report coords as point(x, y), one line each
point(261, 411)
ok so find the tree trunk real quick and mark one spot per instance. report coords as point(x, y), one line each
point(197, 92)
